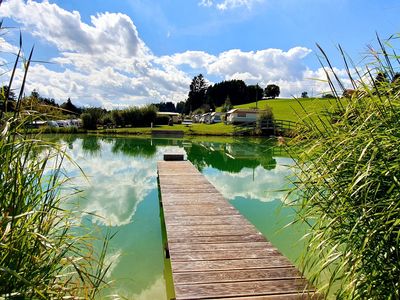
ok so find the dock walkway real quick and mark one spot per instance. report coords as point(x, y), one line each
point(215, 252)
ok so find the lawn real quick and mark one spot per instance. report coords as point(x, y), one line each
point(194, 129)
point(294, 109)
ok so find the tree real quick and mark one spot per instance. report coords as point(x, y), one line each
point(227, 105)
point(69, 108)
point(7, 99)
point(180, 107)
point(304, 95)
point(197, 93)
point(254, 93)
point(327, 96)
point(272, 91)
point(235, 89)
point(91, 117)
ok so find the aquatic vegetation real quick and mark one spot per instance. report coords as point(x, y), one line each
point(44, 251)
point(350, 184)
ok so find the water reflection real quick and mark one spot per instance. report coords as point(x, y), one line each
point(121, 194)
point(231, 157)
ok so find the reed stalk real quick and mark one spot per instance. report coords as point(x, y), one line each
point(44, 251)
point(350, 183)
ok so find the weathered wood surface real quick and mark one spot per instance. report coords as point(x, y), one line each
point(215, 252)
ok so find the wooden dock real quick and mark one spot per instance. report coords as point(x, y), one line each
point(215, 252)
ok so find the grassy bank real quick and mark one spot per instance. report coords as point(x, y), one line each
point(295, 109)
point(194, 129)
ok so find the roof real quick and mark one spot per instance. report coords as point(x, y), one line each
point(167, 113)
point(243, 110)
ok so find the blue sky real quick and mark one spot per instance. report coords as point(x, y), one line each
point(132, 52)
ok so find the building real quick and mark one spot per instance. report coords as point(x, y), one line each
point(239, 115)
point(176, 117)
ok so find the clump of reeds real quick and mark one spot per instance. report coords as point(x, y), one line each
point(44, 254)
point(350, 183)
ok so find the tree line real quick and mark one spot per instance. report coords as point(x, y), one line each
point(225, 93)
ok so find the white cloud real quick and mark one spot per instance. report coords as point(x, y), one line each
point(6, 47)
point(106, 63)
point(229, 4)
point(243, 184)
point(206, 3)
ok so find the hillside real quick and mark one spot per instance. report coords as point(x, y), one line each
point(293, 109)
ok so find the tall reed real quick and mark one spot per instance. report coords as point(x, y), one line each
point(44, 253)
point(350, 183)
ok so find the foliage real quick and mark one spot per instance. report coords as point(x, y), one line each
point(88, 122)
point(264, 118)
point(91, 117)
point(180, 107)
point(197, 94)
point(304, 95)
point(350, 186)
point(42, 256)
point(227, 105)
point(327, 96)
point(254, 93)
point(161, 120)
point(272, 91)
point(70, 108)
point(236, 90)
point(106, 119)
point(165, 106)
point(7, 99)
point(47, 107)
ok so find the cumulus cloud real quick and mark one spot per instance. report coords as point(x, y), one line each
point(106, 63)
point(233, 185)
point(113, 203)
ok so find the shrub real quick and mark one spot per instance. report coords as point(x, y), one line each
point(88, 122)
point(161, 120)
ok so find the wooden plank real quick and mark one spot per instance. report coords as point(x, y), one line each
point(187, 246)
point(222, 254)
point(232, 264)
point(220, 232)
point(236, 275)
point(215, 252)
point(216, 239)
point(204, 220)
point(231, 289)
point(293, 296)
point(190, 228)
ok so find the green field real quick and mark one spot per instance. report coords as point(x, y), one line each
point(294, 109)
point(194, 129)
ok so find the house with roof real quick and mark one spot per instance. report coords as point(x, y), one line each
point(241, 115)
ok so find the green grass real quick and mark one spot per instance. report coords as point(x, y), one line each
point(194, 129)
point(349, 182)
point(295, 109)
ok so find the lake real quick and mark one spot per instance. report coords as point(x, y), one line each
point(120, 194)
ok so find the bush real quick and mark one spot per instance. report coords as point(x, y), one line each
point(88, 122)
point(161, 120)
point(350, 189)
point(264, 119)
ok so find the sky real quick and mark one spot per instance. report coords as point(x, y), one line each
point(121, 53)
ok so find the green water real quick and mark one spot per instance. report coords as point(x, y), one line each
point(120, 194)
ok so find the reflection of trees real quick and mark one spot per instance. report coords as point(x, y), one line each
point(91, 145)
point(134, 147)
point(231, 157)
